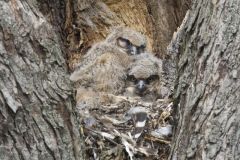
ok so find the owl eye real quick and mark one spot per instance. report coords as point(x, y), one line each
point(122, 42)
point(152, 78)
point(141, 49)
point(131, 78)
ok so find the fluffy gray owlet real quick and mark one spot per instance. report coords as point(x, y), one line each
point(144, 77)
point(122, 38)
point(144, 80)
point(103, 75)
point(104, 66)
point(103, 69)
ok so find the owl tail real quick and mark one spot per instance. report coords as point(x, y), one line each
point(139, 117)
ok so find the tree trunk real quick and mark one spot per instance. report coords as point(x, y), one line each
point(36, 114)
point(166, 15)
point(208, 87)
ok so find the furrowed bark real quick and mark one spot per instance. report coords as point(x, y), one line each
point(36, 113)
point(208, 86)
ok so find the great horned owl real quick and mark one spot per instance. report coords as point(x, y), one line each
point(122, 38)
point(105, 72)
point(144, 77)
point(104, 66)
point(97, 78)
point(128, 40)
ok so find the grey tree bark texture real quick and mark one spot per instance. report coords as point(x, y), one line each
point(208, 87)
point(37, 118)
point(37, 115)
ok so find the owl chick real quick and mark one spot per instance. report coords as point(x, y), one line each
point(104, 65)
point(144, 77)
point(106, 72)
point(103, 70)
point(122, 38)
point(99, 79)
point(130, 41)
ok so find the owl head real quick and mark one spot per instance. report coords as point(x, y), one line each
point(129, 40)
point(144, 76)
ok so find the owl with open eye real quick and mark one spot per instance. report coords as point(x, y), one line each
point(144, 77)
point(144, 80)
point(103, 70)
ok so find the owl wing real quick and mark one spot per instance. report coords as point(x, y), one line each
point(94, 56)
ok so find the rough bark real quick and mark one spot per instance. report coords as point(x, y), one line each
point(36, 102)
point(208, 90)
point(166, 15)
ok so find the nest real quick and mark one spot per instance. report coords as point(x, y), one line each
point(108, 131)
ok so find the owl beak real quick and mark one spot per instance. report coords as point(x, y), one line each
point(141, 86)
point(133, 50)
